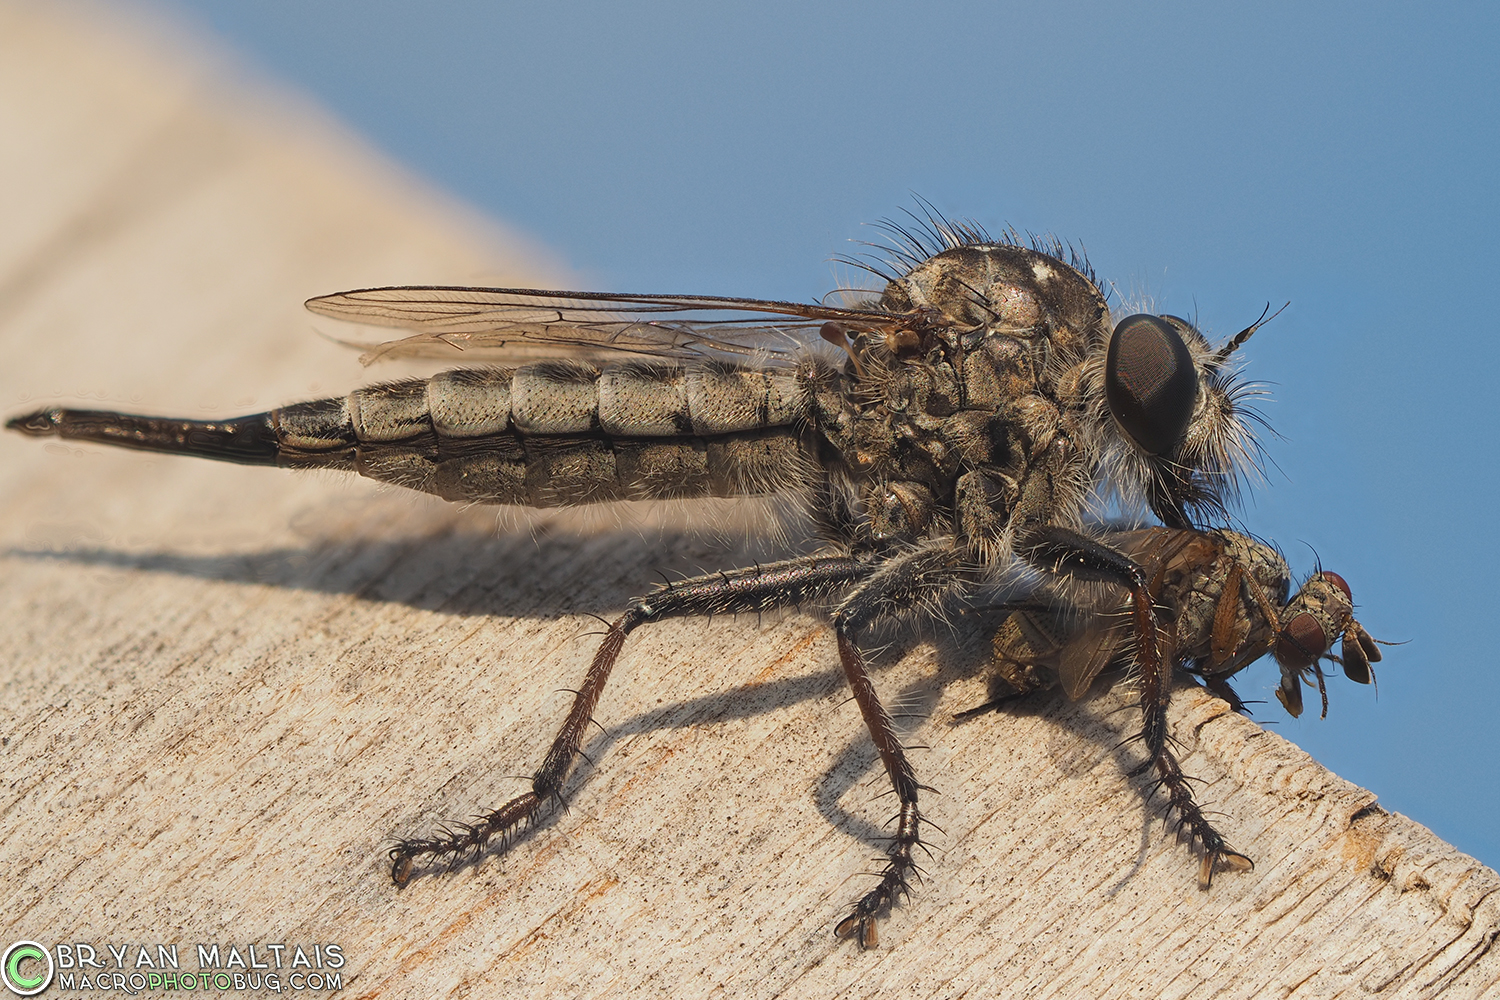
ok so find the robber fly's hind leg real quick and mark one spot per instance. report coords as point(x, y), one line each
point(761, 588)
point(1069, 553)
point(898, 588)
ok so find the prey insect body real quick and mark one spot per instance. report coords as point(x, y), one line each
point(1223, 602)
point(983, 401)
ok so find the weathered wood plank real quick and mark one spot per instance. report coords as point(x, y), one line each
point(226, 688)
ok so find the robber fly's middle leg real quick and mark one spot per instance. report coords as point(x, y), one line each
point(900, 587)
point(1069, 553)
point(760, 588)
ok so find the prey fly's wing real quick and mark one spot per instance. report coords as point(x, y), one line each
point(516, 324)
point(1104, 631)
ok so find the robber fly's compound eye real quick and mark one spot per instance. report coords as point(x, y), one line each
point(1150, 382)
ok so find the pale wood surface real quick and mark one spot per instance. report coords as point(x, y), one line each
point(224, 689)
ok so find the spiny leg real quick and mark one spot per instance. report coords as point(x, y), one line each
point(900, 587)
point(1156, 694)
point(760, 588)
point(1071, 554)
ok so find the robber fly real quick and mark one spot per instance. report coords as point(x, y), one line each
point(951, 439)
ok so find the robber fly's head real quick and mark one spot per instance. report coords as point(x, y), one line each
point(1177, 416)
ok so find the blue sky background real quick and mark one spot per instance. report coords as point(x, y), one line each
point(1218, 157)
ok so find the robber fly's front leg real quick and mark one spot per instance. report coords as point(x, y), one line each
point(761, 588)
point(900, 587)
point(1069, 553)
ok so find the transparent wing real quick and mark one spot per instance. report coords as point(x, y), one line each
point(1157, 549)
point(1105, 631)
point(1086, 656)
point(522, 323)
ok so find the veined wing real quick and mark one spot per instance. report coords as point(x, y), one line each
point(523, 323)
point(1106, 631)
point(1159, 549)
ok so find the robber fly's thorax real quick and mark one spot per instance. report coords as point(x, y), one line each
point(976, 406)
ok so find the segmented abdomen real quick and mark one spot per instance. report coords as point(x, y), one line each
point(558, 433)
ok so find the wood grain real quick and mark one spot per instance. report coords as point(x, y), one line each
point(226, 689)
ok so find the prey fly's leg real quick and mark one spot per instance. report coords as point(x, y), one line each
point(899, 588)
point(1071, 554)
point(761, 588)
point(1220, 688)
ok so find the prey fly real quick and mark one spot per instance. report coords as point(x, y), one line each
point(1222, 601)
point(946, 437)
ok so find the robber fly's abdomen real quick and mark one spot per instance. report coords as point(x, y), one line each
point(544, 435)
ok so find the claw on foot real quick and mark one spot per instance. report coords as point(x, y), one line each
point(860, 926)
point(1226, 859)
point(400, 868)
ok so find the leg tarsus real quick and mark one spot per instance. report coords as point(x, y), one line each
point(900, 585)
point(1180, 802)
point(1071, 554)
point(1220, 688)
point(760, 588)
point(993, 705)
point(465, 843)
point(893, 887)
